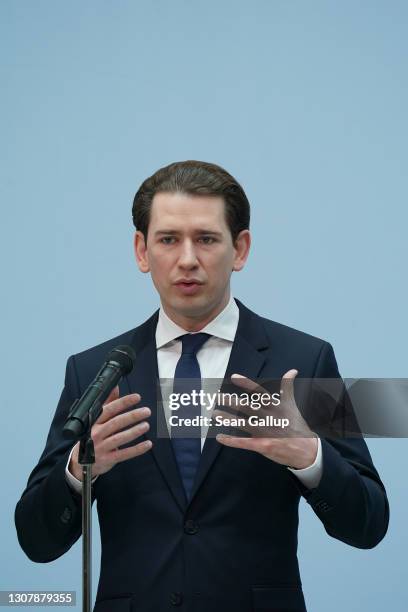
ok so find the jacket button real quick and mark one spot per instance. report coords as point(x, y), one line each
point(66, 516)
point(176, 599)
point(190, 527)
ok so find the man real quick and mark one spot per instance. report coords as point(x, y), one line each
point(213, 526)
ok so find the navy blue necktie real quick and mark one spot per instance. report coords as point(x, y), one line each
point(187, 378)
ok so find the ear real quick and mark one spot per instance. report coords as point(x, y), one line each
point(242, 246)
point(141, 252)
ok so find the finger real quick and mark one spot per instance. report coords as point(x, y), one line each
point(249, 404)
point(124, 454)
point(235, 442)
point(229, 420)
point(124, 437)
point(247, 383)
point(290, 374)
point(228, 400)
point(257, 445)
point(119, 405)
point(113, 395)
point(237, 404)
point(243, 407)
point(287, 386)
point(120, 421)
point(255, 430)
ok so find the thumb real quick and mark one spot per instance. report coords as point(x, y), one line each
point(287, 389)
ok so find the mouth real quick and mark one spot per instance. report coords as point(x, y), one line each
point(188, 287)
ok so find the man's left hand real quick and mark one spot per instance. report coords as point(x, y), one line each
point(298, 449)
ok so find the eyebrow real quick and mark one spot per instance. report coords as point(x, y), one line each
point(177, 232)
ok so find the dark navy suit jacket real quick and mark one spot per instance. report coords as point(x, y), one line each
point(233, 545)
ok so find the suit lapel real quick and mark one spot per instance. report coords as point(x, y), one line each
point(144, 379)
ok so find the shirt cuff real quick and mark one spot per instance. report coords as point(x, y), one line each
point(74, 483)
point(310, 476)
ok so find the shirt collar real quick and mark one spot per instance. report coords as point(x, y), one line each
point(224, 325)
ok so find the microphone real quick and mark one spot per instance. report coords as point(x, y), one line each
point(86, 410)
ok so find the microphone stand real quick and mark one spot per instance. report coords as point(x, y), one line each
point(82, 415)
point(86, 459)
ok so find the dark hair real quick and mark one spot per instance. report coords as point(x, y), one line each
point(195, 178)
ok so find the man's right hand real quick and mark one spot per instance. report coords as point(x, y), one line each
point(107, 434)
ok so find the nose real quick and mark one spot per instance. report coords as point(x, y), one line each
point(188, 257)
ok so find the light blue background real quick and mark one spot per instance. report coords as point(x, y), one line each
point(306, 104)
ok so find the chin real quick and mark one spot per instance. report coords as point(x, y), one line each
point(191, 309)
point(192, 306)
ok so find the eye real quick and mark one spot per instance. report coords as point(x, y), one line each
point(167, 240)
point(207, 239)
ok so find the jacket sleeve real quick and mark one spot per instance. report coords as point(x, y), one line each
point(48, 516)
point(350, 499)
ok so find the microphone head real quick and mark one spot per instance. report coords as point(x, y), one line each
point(124, 356)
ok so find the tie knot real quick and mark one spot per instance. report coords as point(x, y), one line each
point(192, 343)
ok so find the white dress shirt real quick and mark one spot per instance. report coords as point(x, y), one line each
point(213, 359)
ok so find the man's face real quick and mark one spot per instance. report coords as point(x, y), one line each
point(190, 255)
